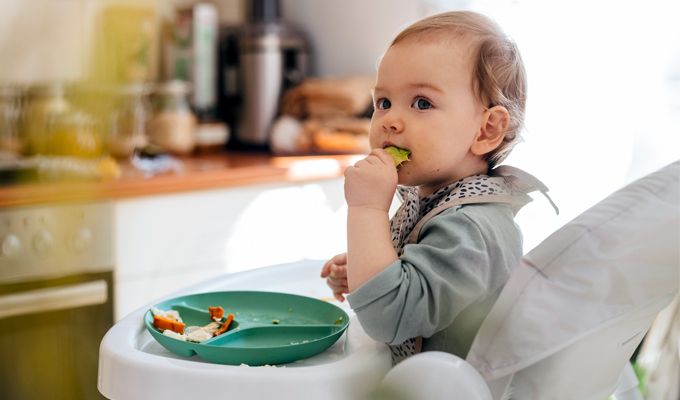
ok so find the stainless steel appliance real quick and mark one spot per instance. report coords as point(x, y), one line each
point(272, 58)
point(56, 299)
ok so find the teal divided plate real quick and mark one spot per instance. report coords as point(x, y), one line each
point(268, 327)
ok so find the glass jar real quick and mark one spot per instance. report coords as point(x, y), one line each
point(130, 119)
point(173, 126)
point(73, 134)
point(10, 111)
point(44, 103)
point(95, 99)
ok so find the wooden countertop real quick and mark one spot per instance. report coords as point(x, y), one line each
point(213, 171)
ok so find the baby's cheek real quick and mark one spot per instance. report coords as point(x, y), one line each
point(374, 141)
point(374, 135)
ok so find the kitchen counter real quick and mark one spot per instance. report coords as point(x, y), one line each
point(210, 171)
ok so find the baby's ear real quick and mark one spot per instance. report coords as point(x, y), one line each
point(492, 132)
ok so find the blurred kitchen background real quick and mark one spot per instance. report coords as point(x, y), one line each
point(146, 145)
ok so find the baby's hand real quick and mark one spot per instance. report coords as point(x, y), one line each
point(335, 272)
point(371, 182)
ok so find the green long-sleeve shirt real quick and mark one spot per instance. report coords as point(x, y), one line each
point(443, 286)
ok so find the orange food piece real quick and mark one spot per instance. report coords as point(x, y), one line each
point(225, 325)
point(164, 323)
point(216, 313)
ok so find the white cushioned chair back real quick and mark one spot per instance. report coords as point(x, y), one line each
point(576, 308)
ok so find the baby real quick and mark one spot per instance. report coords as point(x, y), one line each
point(451, 90)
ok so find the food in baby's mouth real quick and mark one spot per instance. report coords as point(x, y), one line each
point(398, 155)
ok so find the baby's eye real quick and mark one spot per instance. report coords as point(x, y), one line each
point(421, 104)
point(383, 104)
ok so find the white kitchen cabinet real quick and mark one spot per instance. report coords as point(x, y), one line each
point(167, 242)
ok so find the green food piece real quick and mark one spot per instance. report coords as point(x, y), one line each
point(398, 155)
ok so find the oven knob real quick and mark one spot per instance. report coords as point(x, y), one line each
point(81, 240)
point(11, 245)
point(42, 242)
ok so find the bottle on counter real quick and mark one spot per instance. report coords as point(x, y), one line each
point(10, 112)
point(74, 133)
point(173, 126)
point(44, 103)
point(191, 49)
point(130, 120)
point(124, 41)
point(98, 100)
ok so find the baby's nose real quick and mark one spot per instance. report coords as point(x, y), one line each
point(393, 125)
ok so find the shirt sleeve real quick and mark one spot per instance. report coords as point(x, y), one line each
point(424, 290)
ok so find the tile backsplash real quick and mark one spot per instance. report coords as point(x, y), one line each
point(51, 40)
point(349, 36)
point(62, 40)
point(41, 40)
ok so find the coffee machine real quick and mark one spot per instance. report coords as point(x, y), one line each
point(259, 62)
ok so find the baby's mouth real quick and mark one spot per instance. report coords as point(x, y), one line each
point(398, 154)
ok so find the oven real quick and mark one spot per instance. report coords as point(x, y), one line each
point(56, 299)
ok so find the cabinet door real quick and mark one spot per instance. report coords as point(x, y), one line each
point(49, 337)
point(164, 243)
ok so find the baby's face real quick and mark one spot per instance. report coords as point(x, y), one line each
point(424, 102)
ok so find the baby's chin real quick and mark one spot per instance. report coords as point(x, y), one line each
point(405, 178)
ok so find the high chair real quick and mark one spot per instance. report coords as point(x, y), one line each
point(574, 310)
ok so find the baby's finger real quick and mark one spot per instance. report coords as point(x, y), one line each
point(340, 259)
point(326, 269)
point(384, 156)
point(360, 164)
point(340, 291)
point(337, 285)
point(338, 271)
point(372, 159)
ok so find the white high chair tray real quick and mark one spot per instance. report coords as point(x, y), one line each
point(132, 365)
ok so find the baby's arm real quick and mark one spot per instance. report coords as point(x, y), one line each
point(369, 188)
point(454, 265)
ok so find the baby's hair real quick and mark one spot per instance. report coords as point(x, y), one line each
point(498, 71)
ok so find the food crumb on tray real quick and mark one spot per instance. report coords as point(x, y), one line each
point(170, 324)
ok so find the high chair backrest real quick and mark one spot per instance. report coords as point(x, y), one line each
point(573, 312)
